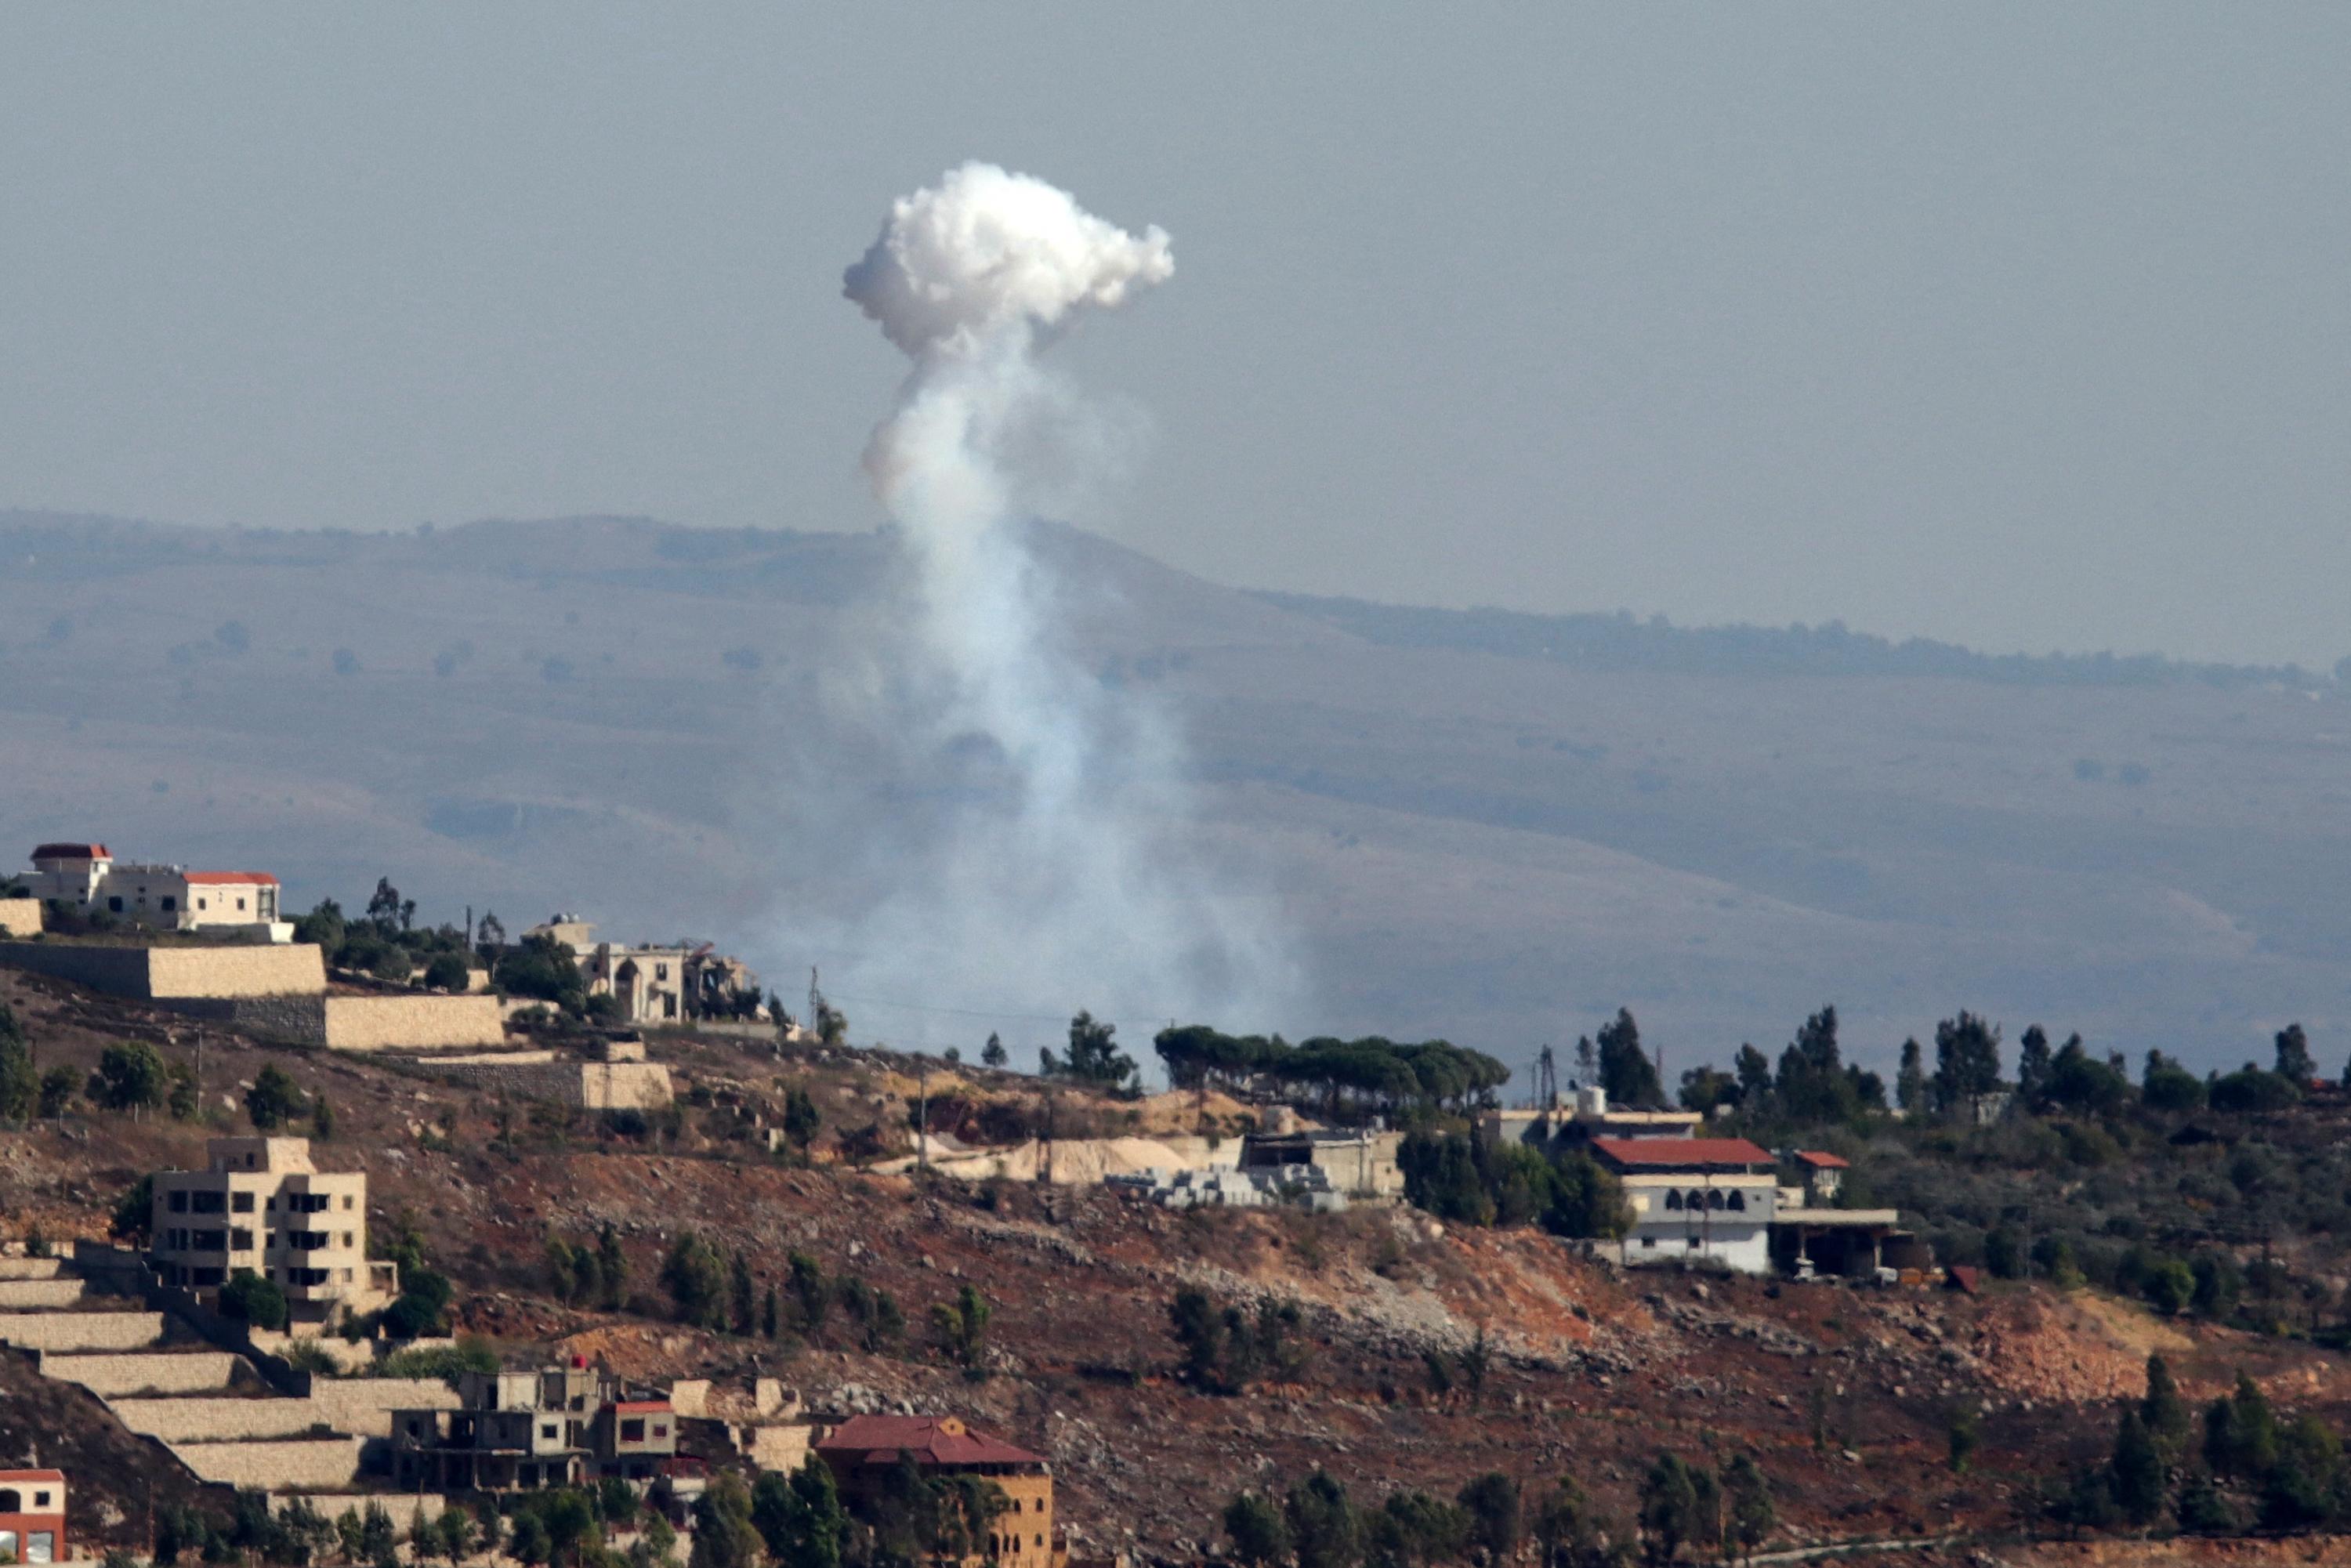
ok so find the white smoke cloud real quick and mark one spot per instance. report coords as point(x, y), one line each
point(1036, 850)
point(984, 253)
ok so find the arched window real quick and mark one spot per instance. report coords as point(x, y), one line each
point(1714, 1197)
point(1737, 1201)
point(10, 1503)
point(1672, 1198)
point(1696, 1198)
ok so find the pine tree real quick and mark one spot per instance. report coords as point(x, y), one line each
point(2134, 1475)
point(2033, 1064)
point(993, 1053)
point(1910, 1084)
point(2165, 1413)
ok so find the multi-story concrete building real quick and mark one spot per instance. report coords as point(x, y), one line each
point(158, 898)
point(559, 1426)
point(862, 1451)
point(33, 1516)
point(260, 1204)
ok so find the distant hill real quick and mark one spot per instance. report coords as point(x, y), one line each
point(1623, 642)
point(1487, 827)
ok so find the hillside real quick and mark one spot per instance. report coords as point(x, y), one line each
point(1845, 1395)
point(1468, 833)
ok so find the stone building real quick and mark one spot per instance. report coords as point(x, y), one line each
point(33, 1516)
point(559, 1426)
point(863, 1450)
point(1357, 1163)
point(159, 898)
point(260, 1204)
point(653, 985)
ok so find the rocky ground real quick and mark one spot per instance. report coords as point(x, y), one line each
point(1845, 1395)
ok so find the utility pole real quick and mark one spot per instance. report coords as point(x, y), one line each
point(813, 997)
point(923, 1117)
point(1546, 1079)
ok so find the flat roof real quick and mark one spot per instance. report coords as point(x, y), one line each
point(1840, 1219)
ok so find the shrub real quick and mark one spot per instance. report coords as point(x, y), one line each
point(248, 1298)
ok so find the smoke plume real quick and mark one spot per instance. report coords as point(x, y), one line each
point(1039, 851)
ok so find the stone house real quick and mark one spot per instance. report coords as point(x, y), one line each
point(559, 1426)
point(653, 985)
point(33, 1516)
point(863, 1450)
point(1695, 1200)
point(260, 1204)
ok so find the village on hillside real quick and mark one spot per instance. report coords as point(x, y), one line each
point(332, 1237)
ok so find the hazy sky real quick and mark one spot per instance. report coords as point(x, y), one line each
point(2024, 327)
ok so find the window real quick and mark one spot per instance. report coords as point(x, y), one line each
point(1648, 1241)
point(240, 904)
point(347, 1200)
point(240, 1202)
point(169, 903)
point(40, 1499)
point(179, 1201)
point(203, 903)
point(346, 1239)
point(661, 971)
point(11, 1502)
point(1714, 1199)
point(632, 1431)
point(240, 1241)
point(547, 1430)
point(1694, 1243)
point(1737, 1201)
point(41, 1546)
point(115, 904)
point(1673, 1200)
point(661, 1429)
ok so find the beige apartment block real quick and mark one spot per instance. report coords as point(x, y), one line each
point(260, 1204)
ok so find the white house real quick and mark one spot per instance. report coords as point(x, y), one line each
point(1695, 1200)
point(159, 898)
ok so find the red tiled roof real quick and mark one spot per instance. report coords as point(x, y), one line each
point(1670, 1151)
point(249, 878)
point(932, 1440)
point(638, 1407)
point(71, 853)
point(1819, 1161)
point(32, 1475)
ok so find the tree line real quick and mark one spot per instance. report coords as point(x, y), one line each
point(1346, 1079)
point(1684, 1507)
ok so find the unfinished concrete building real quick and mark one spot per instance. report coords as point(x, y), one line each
point(559, 1426)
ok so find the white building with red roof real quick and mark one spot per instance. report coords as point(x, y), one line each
point(157, 897)
point(1719, 1201)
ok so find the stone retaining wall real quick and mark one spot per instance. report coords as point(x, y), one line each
point(148, 1372)
point(31, 1268)
point(81, 1331)
point(20, 917)
point(223, 1417)
point(274, 1464)
point(363, 1406)
point(296, 1020)
point(413, 1023)
point(17, 1294)
point(293, 969)
point(168, 974)
point(587, 1085)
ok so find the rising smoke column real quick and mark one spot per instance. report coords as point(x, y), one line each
point(1039, 855)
